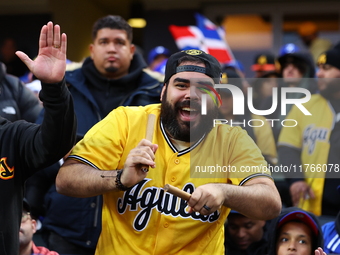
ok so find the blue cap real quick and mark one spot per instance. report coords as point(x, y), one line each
point(302, 216)
point(159, 50)
point(233, 211)
point(289, 48)
point(161, 67)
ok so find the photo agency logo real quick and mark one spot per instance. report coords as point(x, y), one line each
point(280, 98)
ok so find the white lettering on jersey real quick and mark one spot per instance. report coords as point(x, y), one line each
point(155, 198)
point(313, 134)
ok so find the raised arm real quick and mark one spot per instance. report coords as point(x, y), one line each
point(55, 137)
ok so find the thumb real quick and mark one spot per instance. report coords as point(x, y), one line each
point(154, 148)
point(311, 193)
point(24, 58)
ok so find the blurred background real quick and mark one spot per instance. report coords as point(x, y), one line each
point(251, 26)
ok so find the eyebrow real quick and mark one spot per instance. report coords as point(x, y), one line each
point(285, 233)
point(181, 80)
point(206, 83)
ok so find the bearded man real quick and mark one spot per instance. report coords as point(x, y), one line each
point(139, 217)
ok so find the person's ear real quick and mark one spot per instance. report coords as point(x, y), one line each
point(91, 50)
point(132, 50)
point(34, 225)
point(263, 222)
point(163, 91)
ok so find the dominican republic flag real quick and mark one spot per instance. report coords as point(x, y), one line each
point(215, 40)
point(205, 36)
point(188, 37)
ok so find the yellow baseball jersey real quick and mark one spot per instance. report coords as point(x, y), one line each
point(311, 136)
point(264, 137)
point(147, 220)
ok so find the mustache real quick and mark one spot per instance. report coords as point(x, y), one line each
point(188, 103)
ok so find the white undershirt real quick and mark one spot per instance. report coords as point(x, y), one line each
point(180, 145)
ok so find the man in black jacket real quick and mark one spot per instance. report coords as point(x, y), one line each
point(27, 147)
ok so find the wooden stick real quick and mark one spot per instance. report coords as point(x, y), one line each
point(177, 192)
point(150, 127)
point(149, 134)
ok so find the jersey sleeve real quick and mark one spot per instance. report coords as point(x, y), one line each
point(245, 159)
point(265, 139)
point(103, 145)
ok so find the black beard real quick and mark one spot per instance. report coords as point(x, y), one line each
point(185, 132)
point(333, 86)
point(111, 69)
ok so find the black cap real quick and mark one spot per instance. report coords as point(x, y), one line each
point(302, 60)
point(331, 57)
point(264, 62)
point(26, 205)
point(212, 66)
point(230, 76)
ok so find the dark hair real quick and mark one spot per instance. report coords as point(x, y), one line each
point(298, 62)
point(112, 22)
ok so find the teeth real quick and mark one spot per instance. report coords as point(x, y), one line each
point(188, 109)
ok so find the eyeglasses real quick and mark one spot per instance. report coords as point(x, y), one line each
point(25, 217)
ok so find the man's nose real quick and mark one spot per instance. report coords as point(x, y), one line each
point(290, 67)
point(241, 233)
point(193, 93)
point(112, 46)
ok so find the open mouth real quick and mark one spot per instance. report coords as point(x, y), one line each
point(188, 113)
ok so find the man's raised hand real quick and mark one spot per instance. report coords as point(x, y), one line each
point(50, 64)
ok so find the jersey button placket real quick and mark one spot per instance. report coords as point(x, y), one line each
point(174, 178)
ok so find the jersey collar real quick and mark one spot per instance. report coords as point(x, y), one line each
point(173, 147)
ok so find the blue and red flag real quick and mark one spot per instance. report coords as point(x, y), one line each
point(188, 37)
point(205, 36)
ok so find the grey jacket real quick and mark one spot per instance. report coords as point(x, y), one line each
point(17, 102)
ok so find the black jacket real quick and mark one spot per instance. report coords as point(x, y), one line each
point(27, 147)
point(17, 102)
point(273, 231)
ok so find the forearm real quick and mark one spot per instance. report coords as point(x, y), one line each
point(80, 180)
point(47, 143)
point(258, 199)
point(59, 122)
